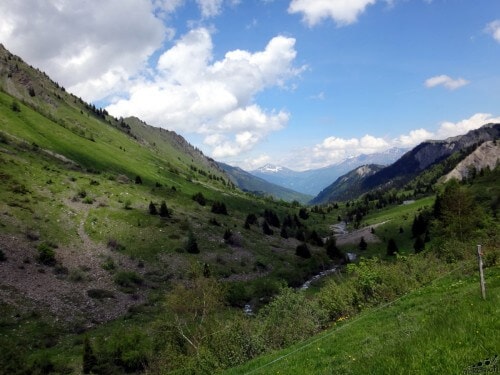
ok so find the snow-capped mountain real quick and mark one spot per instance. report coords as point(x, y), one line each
point(314, 180)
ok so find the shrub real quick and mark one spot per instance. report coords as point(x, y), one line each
point(113, 244)
point(15, 106)
point(164, 212)
point(3, 258)
point(362, 244)
point(128, 280)
point(138, 180)
point(46, 254)
point(152, 209)
point(267, 229)
point(219, 208)
point(198, 197)
point(100, 293)
point(392, 247)
point(192, 244)
point(303, 251)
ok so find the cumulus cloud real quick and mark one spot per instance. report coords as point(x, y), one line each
point(343, 12)
point(493, 28)
point(446, 81)
point(91, 49)
point(335, 149)
point(193, 93)
point(451, 129)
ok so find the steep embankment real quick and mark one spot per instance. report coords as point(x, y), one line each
point(443, 328)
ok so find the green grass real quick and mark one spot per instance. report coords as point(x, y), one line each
point(439, 329)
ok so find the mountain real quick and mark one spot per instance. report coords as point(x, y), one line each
point(346, 186)
point(428, 153)
point(487, 155)
point(429, 161)
point(248, 182)
point(312, 181)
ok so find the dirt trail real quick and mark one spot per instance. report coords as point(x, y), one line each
point(63, 289)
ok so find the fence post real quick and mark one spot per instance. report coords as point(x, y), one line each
point(481, 274)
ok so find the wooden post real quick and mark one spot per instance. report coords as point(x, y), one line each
point(481, 274)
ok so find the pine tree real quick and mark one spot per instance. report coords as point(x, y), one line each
point(362, 244)
point(164, 212)
point(267, 229)
point(192, 244)
point(392, 248)
point(419, 244)
point(152, 209)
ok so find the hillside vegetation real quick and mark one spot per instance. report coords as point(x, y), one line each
point(123, 249)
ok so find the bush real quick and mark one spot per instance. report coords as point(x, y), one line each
point(128, 280)
point(303, 251)
point(100, 293)
point(46, 254)
point(192, 244)
point(164, 212)
point(219, 208)
point(152, 209)
point(198, 197)
point(338, 299)
point(3, 258)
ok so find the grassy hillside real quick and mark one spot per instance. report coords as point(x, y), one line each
point(443, 328)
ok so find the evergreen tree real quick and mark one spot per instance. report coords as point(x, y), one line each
point(332, 250)
point(192, 244)
point(152, 209)
point(284, 232)
point(392, 248)
point(138, 180)
point(164, 212)
point(266, 229)
point(419, 244)
point(303, 251)
point(363, 245)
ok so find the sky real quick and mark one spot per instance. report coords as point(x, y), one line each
point(297, 83)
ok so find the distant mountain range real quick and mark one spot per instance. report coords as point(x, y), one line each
point(312, 181)
point(478, 144)
point(256, 185)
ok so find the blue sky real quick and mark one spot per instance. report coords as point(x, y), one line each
point(300, 83)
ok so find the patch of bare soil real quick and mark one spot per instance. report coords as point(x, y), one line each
point(63, 289)
point(352, 238)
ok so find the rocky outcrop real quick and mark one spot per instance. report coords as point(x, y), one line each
point(487, 155)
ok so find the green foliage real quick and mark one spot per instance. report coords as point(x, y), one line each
point(46, 254)
point(332, 250)
point(192, 244)
point(392, 247)
point(303, 251)
point(152, 209)
point(15, 107)
point(89, 361)
point(164, 211)
point(290, 317)
point(303, 214)
point(363, 245)
point(199, 197)
point(128, 280)
point(219, 208)
point(266, 229)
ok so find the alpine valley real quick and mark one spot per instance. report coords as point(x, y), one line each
point(124, 249)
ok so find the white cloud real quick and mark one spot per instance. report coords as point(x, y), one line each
point(343, 12)
point(210, 8)
point(446, 81)
point(493, 28)
point(414, 137)
point(450, 129)
point(334, 149)
point(92, 50)
point(193, 93)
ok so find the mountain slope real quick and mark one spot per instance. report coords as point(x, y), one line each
point(314, 180)
point(423, 165)
point(426, 154)
point(487, 155)
point(248, 182)
point(346, 186)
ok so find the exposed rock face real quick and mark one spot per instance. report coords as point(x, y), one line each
point(486, 155)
